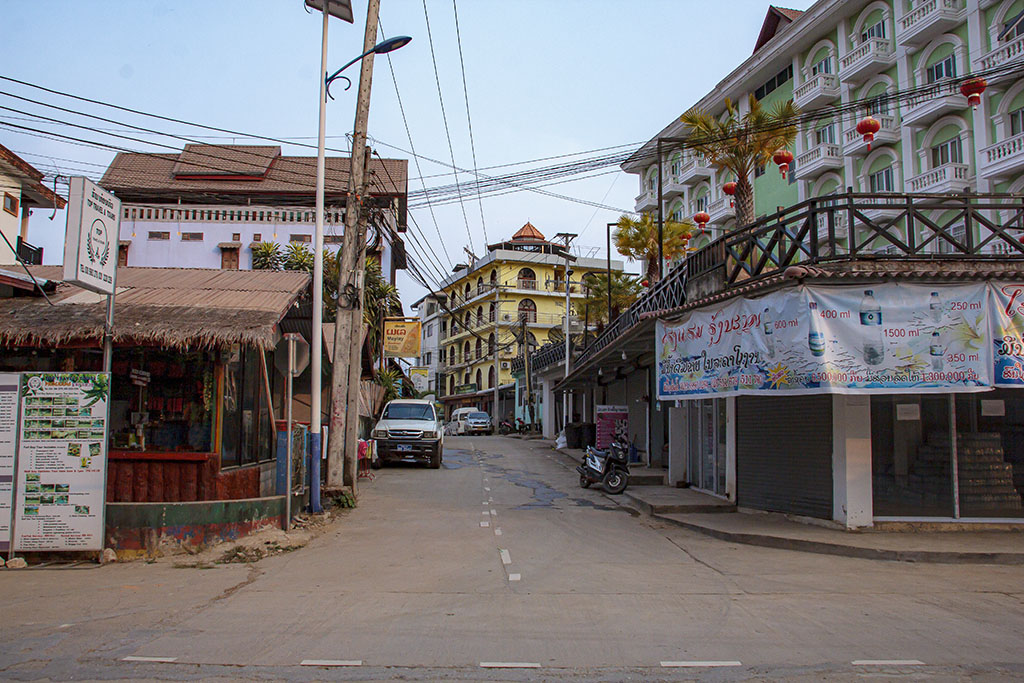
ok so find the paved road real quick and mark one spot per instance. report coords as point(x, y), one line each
point(500, 558)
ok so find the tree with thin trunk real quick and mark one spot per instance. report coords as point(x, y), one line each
point(739, 144)
point(637, 238)
point(625, 290)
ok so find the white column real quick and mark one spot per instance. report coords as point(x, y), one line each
point(851, 461)
point(548, 414)
point(677, 442)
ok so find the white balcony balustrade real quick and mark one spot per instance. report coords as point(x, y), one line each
point(1004, 159)
point(888, 133)
point(818, 90)
point(928, 105)
point(944, 179)
point(647, 201)
point(928, 19)
point(1004, 54)
point(818, 159)
point(867, 59)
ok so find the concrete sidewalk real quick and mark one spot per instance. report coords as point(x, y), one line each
point(704, 513)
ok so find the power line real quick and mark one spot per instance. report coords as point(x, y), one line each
point(444, 119)
point(469, 118)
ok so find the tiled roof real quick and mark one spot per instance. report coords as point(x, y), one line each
point(34, 192)
point(791, 14)
point(140, 174)
point(528, 232)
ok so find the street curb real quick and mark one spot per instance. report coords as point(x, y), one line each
point(825, 548)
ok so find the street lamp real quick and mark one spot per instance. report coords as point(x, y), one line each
point(383, 47)
point(341, 9)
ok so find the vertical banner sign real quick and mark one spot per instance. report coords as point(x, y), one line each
point(62, 459)
point(8, 443)
point(401, 338)
point(1007, 314)
point(420, 378)
point(612, 422)
point(884, 338)
point(92, 237)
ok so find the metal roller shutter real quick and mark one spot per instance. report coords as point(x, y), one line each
point(784, 454)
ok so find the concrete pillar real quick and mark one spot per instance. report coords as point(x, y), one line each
point(851, 461)
point(678, 444)
point(730, 448)
point(550, 429)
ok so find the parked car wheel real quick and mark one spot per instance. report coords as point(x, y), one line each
point(377, 463)
point(435, 459)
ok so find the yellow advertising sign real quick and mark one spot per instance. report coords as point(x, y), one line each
point(401, 338)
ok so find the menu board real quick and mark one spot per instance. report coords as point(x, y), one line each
point(62, 458)
point(8, 439)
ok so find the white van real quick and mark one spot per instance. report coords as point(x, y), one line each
point(471, 421)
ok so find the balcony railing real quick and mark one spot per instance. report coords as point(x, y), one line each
point(1003, 158)
point(526, 284)
point(29, 254)
point(931, 103)
point(853, 142)
point(928, 18)
point(818, 159)
point(946, 178)
point(867, 58)
point(816, 90)
point(795, 236)
point(1003, 54)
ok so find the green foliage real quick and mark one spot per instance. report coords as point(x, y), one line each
point(297, 256)
point(391, 380)
point(380, 300)
point(266, 256)
point(625, 290)
point(638, 239)
point(739, 144)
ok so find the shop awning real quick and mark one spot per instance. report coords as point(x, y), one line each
point(170, 307)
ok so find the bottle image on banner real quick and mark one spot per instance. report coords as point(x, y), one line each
point(871, 328)
point(935, 351)
point(769, 330)
point(935, 307)
point(815, 339)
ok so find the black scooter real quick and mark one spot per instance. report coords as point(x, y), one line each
point(609, 467)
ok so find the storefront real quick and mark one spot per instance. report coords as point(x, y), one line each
point(194, 391)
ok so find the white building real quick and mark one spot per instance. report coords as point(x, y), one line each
point(206, 206)
point(22, 190)
point(431, 319)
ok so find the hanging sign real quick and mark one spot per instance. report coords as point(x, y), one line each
point(612, 423)
point(8, 443)
point(401, 338)
point(885, 338)
point(92, 236)
point(62, 459)
point(420, 378)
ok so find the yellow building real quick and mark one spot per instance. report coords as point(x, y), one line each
point(520, 280)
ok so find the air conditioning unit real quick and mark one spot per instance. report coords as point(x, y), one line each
point(506, 365)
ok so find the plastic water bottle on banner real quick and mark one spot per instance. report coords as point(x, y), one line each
point(769, 330)
point(815, 338)
point(935, 307)
point(935, 350)
point(871, 328)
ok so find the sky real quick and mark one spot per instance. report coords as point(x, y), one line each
point(543, 78)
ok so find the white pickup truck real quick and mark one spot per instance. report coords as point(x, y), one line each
point(409, 429)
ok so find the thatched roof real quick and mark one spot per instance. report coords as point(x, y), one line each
point(170, 307)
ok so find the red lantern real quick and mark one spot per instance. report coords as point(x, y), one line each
point(972, 90)
point(701, 218)
point(730, 189)
point(645, 283)
point(868, 127)
point(783, 158)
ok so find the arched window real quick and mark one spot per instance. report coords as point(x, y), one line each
point(527, 279)
point(490, 313)
point(465, 351)
point(451, 384)
point(490, 344)
point(531, 341)
point(528, 311)
point(466, 320)
point(479, 315)
point(494, 276)
point(465, 379)
point(479, 348)
point(490, 377)
point(453, 304)
point(479, 380)
point(479, 285)
point(469, 291)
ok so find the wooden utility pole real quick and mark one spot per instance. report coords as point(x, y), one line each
point(497, 370)
point(342, 454)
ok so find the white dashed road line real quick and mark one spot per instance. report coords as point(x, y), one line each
point(331, 662)
point(887, 662)
point(494, 512)
point(497, 531)
point(506, 558)
point(485, 524)
point(699, 664)
point(509, 665)
point(157, 660)
point(515, 577)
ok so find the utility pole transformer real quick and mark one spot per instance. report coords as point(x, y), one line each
point(342, 454)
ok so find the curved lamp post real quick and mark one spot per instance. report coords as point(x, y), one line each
point(341, 9)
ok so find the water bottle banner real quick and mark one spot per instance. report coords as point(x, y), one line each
point(880, 339)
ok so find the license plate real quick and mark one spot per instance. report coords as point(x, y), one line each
point(404, 448)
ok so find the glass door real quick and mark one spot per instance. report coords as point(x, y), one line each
point(706, 444)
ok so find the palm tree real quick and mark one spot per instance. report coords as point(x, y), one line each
point(625, 290)
point(297, 256)
point(380, 299)
point(638, 240)
point(266, 256)
point(739, 144)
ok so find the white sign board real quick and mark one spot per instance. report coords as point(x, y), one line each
point(62, 461)
point(92, 237)
point(8, 441)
